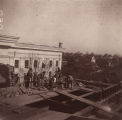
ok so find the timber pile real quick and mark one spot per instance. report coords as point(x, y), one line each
point(13, 91)
point(10, 92)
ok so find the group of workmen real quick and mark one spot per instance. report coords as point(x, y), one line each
point(34, 79)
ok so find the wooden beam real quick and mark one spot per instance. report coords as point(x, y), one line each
point(109, 97)
point(87, 89)
point(86, 81)
point(91, 103)
point(84, 111)
point(87, 94)
point(74, 117)
point(90, 108)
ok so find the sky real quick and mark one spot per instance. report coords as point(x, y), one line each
point(81, 25)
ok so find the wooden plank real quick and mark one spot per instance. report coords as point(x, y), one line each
point(87, 94)
point(84, 111)
point(109, 97)
point(90, 108)
point(111, 86)
point(102, 83)
point(84, 100)
point(74, 117)
point(87, 89)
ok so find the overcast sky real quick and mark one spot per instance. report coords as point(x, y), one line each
point(82, 25)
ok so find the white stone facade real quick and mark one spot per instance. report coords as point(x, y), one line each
point(24, 56)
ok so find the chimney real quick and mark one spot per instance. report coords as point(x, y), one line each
point(60, 45)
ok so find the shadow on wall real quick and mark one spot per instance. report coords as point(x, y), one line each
point(5, 73)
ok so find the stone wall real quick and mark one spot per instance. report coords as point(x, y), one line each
point(10, 55)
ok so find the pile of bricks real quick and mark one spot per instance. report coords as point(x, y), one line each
point(11, 91)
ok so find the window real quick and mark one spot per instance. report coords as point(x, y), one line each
point(26, 63)
point(35, 63)
point(50, 74)
point(43, 65)
point(50, 63)
point(43, 74)
point(16, 64)
point(56, 62)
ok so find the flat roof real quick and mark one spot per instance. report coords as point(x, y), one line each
point(12, 42)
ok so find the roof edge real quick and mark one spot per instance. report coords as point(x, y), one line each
point(14, 43)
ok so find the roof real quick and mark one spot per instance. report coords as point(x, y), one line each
point(10, 37)
point(12, 42)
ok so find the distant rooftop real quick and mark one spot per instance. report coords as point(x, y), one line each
point(8, 36)
point(12, 42)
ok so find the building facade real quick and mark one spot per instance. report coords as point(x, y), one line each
point(22, 56)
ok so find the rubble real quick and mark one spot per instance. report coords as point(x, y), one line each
point(13, 91)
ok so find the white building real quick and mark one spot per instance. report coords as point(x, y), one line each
point(93, 59)
point(24, 56)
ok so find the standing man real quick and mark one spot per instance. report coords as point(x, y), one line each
point(70, 81)
point(35, 79)
point(54, 82)
point(30, 77)
point(66, 82)
point(50, 82)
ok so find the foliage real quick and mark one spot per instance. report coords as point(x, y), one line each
point(80, 66)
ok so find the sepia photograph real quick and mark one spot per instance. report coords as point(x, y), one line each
point(60, 59)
